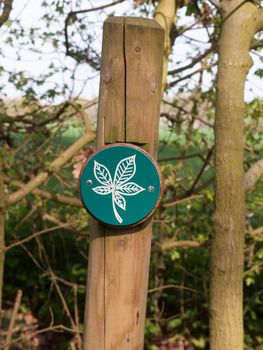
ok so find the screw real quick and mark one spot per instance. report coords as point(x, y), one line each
point(89, 182)
point(150, 188)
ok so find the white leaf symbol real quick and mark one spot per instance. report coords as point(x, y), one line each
point(103, 190)
point(102, 174)
point(130, 189)
point(120, 186)
point(120, 200)
point(125, 170)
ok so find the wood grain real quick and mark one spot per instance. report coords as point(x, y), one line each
point(112, 83)
point(119, 258)
point(144, 57)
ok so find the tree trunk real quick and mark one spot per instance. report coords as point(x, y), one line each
point(165, 15)
point(241, 21)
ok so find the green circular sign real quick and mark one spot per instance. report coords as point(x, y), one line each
point(120, 185)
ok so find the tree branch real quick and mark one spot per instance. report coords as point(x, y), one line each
point(165, 16)
point(81, 55)
point(6, 11)
point(216, 3)
point(74, 202)
point(206, 162)
point(253, 175)
point(36, 234)
point(170, 117)
point(187, 156)
point(258, 231)
point(255, 44)
point(173, 83)
point(259, 20)
point(171, 243)
point(13, 319)
point(173, 119)
point(181, 200)
point(31, 118)
point(55, 165)
point(57, 328)
point(174, 286)
point(194, 61)
point(186, 197)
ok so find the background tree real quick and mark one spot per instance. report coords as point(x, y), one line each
point(240, 22)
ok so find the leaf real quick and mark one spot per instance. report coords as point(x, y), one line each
point(130, 189)
point(120, 201)
point(259, 73)
point(103, 190)
point(192, 8)
point(102, 174)
point(125, 170)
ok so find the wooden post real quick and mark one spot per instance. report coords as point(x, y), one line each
point(129, 104)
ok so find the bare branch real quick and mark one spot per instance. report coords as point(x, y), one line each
point(175, 105)
point(172, 243)
point(256, 233)
point(165, 16)
point(173, 83)
point(34, 235)
point(173, 119)
point(6, 11)
point(216, 3)
point(13, 319)
point(194, 61)
point(67, 283)
point(255, 44)
point(93, 9)
point(187, 156)
point(62, 298)
point(55, 165)
point(74, 202)
point(173, 286)
point(57, 328)
point(253, 175)
point(82, 55)
point(182, 200)
point(206, 162)
point(66, 307)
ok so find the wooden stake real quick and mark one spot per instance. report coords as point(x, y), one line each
point(129, 104)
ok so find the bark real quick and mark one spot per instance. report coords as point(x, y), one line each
point(165, 16)
point(241, 21)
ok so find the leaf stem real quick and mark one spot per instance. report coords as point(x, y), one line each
point(115, 210)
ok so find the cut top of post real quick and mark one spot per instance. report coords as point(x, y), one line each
point(137, 21)
point(130, 81)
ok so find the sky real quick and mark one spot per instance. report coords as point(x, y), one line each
point(86, 82)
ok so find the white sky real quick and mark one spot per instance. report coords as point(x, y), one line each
point(36, 63)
